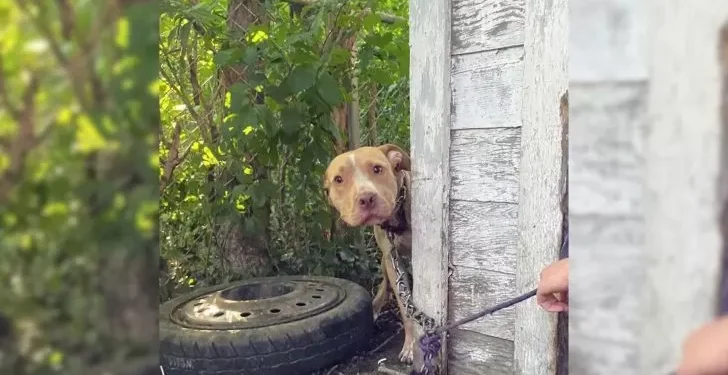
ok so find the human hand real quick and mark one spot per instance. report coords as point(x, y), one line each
point(553, 287)
point(705, 352)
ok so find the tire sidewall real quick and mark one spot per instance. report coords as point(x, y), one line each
point(352, 314)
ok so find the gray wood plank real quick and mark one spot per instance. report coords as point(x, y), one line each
point(486, 89)
point(606, 161)
point(472, 290)
point(608, 42)
point(542, 179)
point(682, 154)
point(605, 299)
point(484, 235)
point(723, 182)
point(472, 353)
point(606, 170)
point(593, 356)
point(430, 103)
point(480, 25)
point(605, 295)
point(484, 164)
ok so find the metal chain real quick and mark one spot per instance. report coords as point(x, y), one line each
point(403, 288)
point(405, 292)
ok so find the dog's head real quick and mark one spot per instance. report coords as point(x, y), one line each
point(363, 184)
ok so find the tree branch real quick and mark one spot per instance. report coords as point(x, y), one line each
point(24, 141)
point(174, 158)
point(68, 21)
point(4, 97)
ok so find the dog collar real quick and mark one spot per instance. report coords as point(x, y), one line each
point(397, 224)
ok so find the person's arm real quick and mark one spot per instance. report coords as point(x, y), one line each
point(705, 352)
point(553, 287)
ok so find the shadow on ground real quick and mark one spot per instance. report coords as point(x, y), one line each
point(385, 345)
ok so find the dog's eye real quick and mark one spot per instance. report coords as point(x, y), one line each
point(377, 169)
point(338, 179)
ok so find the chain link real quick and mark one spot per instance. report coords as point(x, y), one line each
point(405, 292)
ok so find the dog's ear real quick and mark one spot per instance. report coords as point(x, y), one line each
point(397, 157)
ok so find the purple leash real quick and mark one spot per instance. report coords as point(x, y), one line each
point(430, 341)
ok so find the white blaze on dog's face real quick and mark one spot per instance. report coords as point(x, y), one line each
point(362, 184)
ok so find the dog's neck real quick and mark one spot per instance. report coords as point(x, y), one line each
point(398, 224)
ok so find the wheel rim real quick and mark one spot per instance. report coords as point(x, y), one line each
point(258, 303)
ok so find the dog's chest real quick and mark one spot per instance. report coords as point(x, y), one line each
point(400, 242)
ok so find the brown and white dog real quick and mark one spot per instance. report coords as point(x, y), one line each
point(370, 186)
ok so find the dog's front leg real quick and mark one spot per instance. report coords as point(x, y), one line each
point(382, 296)
point(407, 353)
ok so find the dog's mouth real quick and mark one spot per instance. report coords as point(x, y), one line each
point(372, 220)
point(367, 218)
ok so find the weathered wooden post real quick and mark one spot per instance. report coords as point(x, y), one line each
point(542, 202)
point(647, 180)
point(607, 87)
point(476, 106)
point(685, 176)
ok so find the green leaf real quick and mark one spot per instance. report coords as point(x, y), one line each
point(339, 56)
point(239, 97)
point(268, 186)
point(301, 78)
point(291, 119)
point(365, 58)
point(265, 116)
point(238, 191)
point(184, 36)
point(371, 20)
point(227, 57)
point(329, 90)
point(250, 56)
point(259, 194)
point(381, 76)
point(278, 93)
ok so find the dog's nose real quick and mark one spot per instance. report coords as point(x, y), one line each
point(366, 200)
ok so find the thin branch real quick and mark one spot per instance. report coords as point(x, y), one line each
point(176, 86)
point(174, 158)
point(43, 28)
point(68, 21)
point(372, 113)
point(24, 141)
point(4, 97)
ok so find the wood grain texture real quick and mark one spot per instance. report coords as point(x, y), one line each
point(480, 25)
point(472, 353)
point(472, 290)
point(606, 274)
point(593, 356)
point(683, 241)
point(608, 42)
point(606, 227)
point(606, 306)
point(723, 188)
point(542, 179)
point(484, 235)
point(430, 103)
point(486, 89)
point(606, 151)
point(484, 165)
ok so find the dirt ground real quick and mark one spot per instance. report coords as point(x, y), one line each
point(384, 346)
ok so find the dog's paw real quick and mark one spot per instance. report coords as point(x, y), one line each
point(407, 353)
